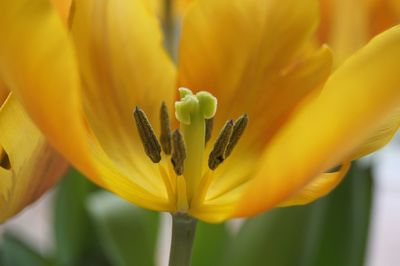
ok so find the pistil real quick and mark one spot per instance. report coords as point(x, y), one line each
point(185, 147)
point(192, 111)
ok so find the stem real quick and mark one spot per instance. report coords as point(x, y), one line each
point(183, 233)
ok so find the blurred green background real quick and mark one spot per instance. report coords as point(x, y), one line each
point(94, 227)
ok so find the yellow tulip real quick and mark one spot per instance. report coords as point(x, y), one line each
point(28, 165)
point(348, 25)
point(80, 86)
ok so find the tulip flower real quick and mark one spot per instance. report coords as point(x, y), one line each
point(28, 164)
point(246, 60)
point(285, 129)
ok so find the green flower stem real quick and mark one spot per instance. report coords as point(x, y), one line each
point(183, 233)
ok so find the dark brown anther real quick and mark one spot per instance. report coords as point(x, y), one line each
point(334, 169)
point(4, 159)
point(237, 132)
point(165, 136)
point(209, 128)
point(178, 152)
point(149, 140)
point(217, 155)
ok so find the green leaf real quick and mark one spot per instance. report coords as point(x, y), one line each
point(332, 231)
point(210, 243)
point(74, 234)
point(343, 233)
point(14, 252)
point(127, 233)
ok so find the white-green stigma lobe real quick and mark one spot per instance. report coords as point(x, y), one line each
point(203, 104)
point(191, 111)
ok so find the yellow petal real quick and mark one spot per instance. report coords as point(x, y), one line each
point(355, 101)
point(44, 75)
point(319, 187)
point(229, 180)
point(264, 73)
point(242, 51)
point(3, 92)
point(380, 137)
point(123, 66)
point(348, 25)
point(29, 166)
point(383, 14)
point(64, 8)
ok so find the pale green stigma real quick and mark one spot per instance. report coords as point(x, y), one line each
point(192, 110)
point(202, 104)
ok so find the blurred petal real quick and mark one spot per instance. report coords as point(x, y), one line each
point(380, 137)
point(348, 26)
point(383, 14)
point(63, 7)
point(29, 166)
point(3, 92)
point(355, 101)
point(44, 76)
point(319, 187)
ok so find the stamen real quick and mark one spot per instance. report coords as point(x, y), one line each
point(238, 129)
point(4, 159)
point(209, 128)
point(150, 143)
point(217, 155)
point(165, 136)
point(178, 152)
point(334, 169)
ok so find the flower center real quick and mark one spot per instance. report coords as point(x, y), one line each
point(192, 111)
point(186, 145)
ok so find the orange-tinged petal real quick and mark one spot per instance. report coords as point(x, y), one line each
point(64, 8)
point(355, 101)
point(348, 26)
point(254, 74)
point(241, 51)
point(230, 179)
point(29, 166)
point(44, 76)
point(383, 14)
point(319, 187)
